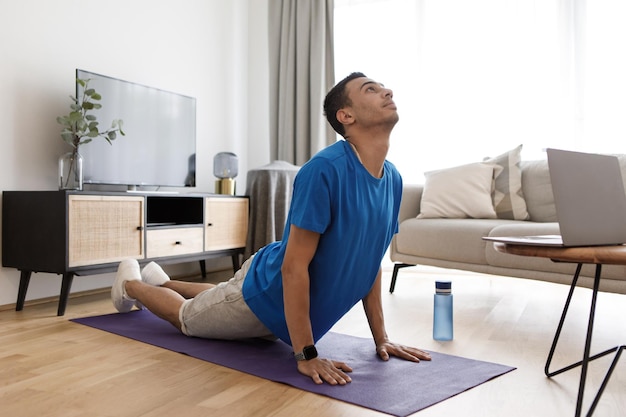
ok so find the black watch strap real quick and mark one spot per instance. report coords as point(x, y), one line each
point(308, 353)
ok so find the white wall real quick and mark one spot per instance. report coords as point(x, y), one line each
point(202, 48)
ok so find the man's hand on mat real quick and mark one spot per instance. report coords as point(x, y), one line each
point(325, 370)
point(412, 354)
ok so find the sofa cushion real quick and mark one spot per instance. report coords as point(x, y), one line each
point(459, 192)
point(537, 189)
point(449, 239)
point(508, 198)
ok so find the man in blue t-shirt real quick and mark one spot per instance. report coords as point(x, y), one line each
point(343, 214)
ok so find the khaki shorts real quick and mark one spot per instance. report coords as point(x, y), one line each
point(222, 313)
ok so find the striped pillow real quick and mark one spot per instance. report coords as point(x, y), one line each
point(507, 195)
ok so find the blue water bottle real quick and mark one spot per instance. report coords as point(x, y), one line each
point(442, 317)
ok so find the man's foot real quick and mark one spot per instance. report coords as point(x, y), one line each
point(128, 270)
point(153, 274)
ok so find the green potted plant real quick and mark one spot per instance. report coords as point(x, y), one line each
point(79, 128)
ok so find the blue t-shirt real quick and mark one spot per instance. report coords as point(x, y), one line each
point(356, 216)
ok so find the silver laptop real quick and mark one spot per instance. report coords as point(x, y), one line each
point(590, 201)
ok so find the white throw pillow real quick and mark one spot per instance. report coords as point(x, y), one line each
point(459, 192)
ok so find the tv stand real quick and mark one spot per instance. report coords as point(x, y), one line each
point(85, 233)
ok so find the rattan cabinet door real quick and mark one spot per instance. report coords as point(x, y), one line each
point(226, 223)
point(104, 229)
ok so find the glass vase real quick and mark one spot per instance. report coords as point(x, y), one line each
point(71, 171)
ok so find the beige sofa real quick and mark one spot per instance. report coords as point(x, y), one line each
point(457, 242)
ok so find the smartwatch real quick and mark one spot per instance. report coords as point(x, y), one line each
point(308, 353)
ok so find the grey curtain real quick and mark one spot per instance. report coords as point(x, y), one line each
point(301, 73)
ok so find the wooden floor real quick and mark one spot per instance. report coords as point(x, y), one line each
point(53, 367)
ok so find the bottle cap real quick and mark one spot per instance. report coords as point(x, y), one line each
point(443, 287)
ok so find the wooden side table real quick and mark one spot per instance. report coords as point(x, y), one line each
point(598, 256)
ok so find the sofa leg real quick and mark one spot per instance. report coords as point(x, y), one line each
point(396, 268)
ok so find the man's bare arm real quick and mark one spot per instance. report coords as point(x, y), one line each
point(300, 250)
point(372, 303)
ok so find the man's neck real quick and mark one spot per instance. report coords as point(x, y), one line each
point(371, 152)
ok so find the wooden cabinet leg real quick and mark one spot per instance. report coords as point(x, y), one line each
point(66, 285)
point(21, 294)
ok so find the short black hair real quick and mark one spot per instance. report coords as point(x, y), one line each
point(336, 99)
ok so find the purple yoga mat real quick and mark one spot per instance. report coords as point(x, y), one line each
point(396, 387)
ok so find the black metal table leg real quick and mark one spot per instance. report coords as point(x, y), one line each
point(584, 363)
point(605, 381)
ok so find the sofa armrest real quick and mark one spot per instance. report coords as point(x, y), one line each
point(411, 198)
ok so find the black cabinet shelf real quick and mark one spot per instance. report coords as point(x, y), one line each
point(173, 211)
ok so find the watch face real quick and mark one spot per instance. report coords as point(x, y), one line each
point(309, 352)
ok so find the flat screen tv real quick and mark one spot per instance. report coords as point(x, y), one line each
point(159, 148)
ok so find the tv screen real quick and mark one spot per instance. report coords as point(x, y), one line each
point(159, 148)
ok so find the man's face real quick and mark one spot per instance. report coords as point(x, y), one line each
point(371, 102)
